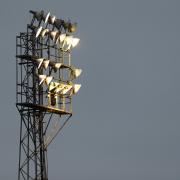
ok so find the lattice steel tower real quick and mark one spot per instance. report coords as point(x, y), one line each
point(44, 88)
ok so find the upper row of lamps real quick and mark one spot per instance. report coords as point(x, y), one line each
point(65, 40)
point(58, 23)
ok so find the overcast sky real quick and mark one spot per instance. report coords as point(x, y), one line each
point(126, 122)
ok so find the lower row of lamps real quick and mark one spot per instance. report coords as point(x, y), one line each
point(58, 87)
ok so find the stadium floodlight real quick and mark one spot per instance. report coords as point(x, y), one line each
point(51, 19)
point(39, 61)
point(72, 27)
point(75, 41)
point(48, 80)
point(76, 88)
point(62, 37)
point(42, 61)
point(42, 79)
point(56, 66)
point(77, 72)
point(44, 32)
point(67, 43)
point(45, 86)
point(53, 35)
point(45, 63)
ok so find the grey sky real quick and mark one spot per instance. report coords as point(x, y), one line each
point(126, 116)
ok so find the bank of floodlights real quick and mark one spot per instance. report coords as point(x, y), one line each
point(60, 32)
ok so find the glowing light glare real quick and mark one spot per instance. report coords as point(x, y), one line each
point(47, 17)
point(76, 88)
point(48, 79)
point(42, 78)
point(77, 72)
point(38, 31)
point(75, 41)
point(66, 89)
point(44, 31)
point(45, 63)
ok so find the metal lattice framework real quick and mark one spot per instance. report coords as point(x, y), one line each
point(44, 89)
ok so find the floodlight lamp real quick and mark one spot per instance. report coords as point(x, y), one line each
point(53, 35)
point(48, 79)
point(77, 72)
point(76, 88)
point(51, 19)
point(75, 41)
point(38, 31)
point(62, 37)
point(44, 32)
point(57, 66)
point(39, 61)
point(69, 40)
point(46, 63)
point(67, 43)
point(41, 79)
point(72, 27)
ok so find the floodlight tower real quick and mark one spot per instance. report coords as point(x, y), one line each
point(44, 88)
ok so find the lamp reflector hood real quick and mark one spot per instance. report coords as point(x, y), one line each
point(51, 19)
point(62, 37)
point(41, 79)
point(39, 61)
point(75, 41)
point(76, 88)
point(46, 63)
point(44, 31)
point(77, 72)
point(72, 27)
point(53, 35)
point(57, 65)
point(48, 79)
